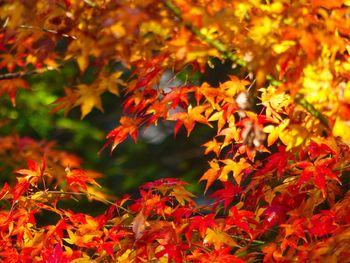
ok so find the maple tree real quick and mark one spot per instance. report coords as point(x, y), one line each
point(280, 154)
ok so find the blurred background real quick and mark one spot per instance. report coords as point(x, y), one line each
point(156, 154)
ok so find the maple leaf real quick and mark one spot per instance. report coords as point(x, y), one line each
point(111, 82)
point(232, 133)
point(341, 128)
point(56, 231)
point(57, 255)
point(220, 117)
point(212, 95)
point(293, 136)
point(138, 102)
point(222, 255)
point(173, 252)
point(31, 177)
point(21, 187)
point(88, 97)
point(34, 170)
point(318, 171)
point(10, 62)
point(277, 161)
point(218, 238)
point(227, 194)
point(307, 57)
point(189, 118)
point(125, 257)
point(163, 184)
point(211, 174)
point(177, 95)
point(212, 146)
point(5, 190)
point(67, 102)
point(10, 86)
point(272, 253)
point(150, 75)
point(182, 212)
point(77, 177)
point(241, 219)
point(128, 126)
point(274, 214)
point(275, 101)
point(323, 223)
point(182, 195)
point(296, 228)
point(236, 167)
point(323, 147)
point(200, 223)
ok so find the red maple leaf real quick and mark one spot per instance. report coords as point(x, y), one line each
point(226, 194)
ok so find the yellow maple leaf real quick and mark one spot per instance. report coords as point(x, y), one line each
point(218, 238)
point(212, 146)
point(72, 237)
point(275, 101)
point(219, 117)
point(341, 128)
point(111, 83)
point(274, 131)
point(125, 257)
point(182, 195)
point(283, 46)
point(236, 168)
point(293, 136)
point(232, 133)
point(89, 97)
point(84, 259)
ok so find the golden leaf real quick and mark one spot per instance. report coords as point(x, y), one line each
point(341, 128)
point(218, 238)
point(89, 97)
point(293, 136)
point(236, 168)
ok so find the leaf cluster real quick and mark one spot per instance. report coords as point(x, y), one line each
point(279, 150)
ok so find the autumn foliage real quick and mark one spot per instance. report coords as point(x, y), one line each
point(279, 158)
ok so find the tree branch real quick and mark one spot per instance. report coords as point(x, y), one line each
point(299, 99)
point(21, 74)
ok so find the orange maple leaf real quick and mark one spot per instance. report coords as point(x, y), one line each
point(189, 118)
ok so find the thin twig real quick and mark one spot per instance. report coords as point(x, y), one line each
point(87, 195)
point(259, 242)
point(47, 31)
